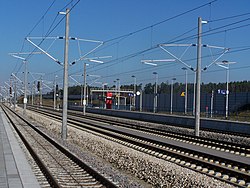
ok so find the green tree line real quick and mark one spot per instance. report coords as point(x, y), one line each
point(235, 87)
point(165, 87)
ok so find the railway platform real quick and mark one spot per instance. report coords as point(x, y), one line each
point(15, 171)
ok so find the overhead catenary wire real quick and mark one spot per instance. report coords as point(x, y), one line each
point(51, 30)
point(33, 28)
point(232, 51)
point(182, 75)
point(209, 32)
point(39, 21)
point(206, 33)
point(124, 36)
point(229, 17)
point(161, 22)
point(131, 56)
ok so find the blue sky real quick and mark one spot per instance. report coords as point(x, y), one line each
point(106, 20)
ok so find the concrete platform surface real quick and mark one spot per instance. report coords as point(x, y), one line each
point(15, 171)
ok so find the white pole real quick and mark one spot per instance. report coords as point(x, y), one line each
point(81, 94)
point(84, 90)
point(141, 101)
point(212, 103)
point(198, 81)
point(118, 94)
point(134, 90)
point(227, 92)
point(40, 92)
point(15, 94)
point(25, 89)
point(33, 91)
point(185, 104)
point(65, 79)
point(194, 94)
point(155, 92)
point(171, 100)
point(54, 92)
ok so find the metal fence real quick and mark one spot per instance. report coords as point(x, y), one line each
point(236, 101)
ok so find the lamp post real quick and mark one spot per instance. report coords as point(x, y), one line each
point(212, 103)
point(15, 95)
point(225, 64)
point(55, 92)
point(140, 93)
point(41, 92)
point(155, 92)
point(82, 93)
point(171, 100)
point(133, 76)
point(84, 88)
point(25, 89)
point(32, 94)
point(185, 108)
point(103, 94)
point(194, 94)
point(118, 88)
point(115, 84)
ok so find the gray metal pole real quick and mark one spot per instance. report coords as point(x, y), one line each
point(25, 88)
point(91, 100)
point(185, 103)
point(186, 87)
point(134, 90)
point(194, 94)
point(41, 93)
point(227, 92)
point(11, 91)
point(141, 101)
point(212, 103)
point(154, 109)
point(87, 95)
point(54, 93)
point(156, 93)
point(32, 94)
point(81, 94)
point(103, 106)
point(65, 79)
point(15, 95)
point(198, 80)
point(118, 103)
point(171, 100)
point(84, 91)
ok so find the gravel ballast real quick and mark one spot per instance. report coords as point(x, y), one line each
point(122, 163)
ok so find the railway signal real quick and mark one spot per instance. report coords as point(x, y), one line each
point(38, 86)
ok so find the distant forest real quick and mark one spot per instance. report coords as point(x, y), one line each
point(239, 86)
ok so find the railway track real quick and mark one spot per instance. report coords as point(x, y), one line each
point(237, 149)
point(61, 167)
point(212, 130)
point(227, 162)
